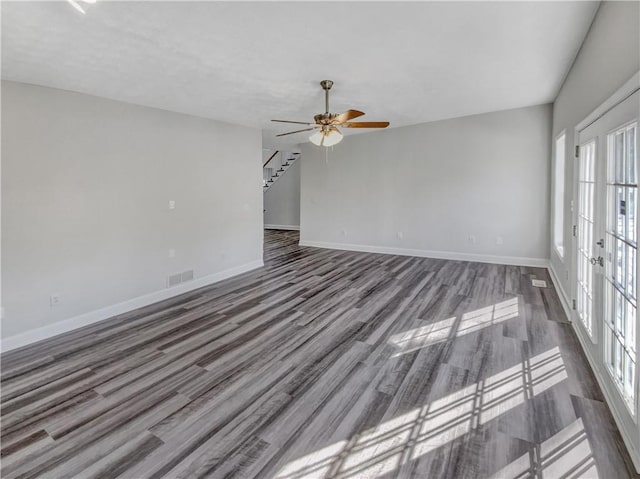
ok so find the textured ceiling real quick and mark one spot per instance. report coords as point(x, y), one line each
point(246, 63)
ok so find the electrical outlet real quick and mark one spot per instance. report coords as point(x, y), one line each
point(344, 232)
point(399, 235)
point(172, 204)
point(472, 239)
point(54, 299)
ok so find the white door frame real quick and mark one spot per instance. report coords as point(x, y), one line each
point(629, 426)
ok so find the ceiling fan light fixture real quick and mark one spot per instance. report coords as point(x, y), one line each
point(332, 137)
point(316, 138)
point(326, 138)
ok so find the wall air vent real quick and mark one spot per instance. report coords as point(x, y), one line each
point(187, 275)
point(174, 279)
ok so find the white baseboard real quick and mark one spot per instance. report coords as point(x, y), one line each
point(97, 315)
point(564, 299)
point(478, 258)
point(585, 344)
point(282, 227)
point(608, 395)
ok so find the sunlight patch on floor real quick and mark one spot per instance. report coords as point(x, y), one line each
point(566, 454)
point(450, 328)
point(420, 431)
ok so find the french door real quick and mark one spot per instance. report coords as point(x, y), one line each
point(606, 242)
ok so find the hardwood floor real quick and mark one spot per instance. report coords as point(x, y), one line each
point(321, 364)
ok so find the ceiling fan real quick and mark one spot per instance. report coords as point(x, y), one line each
point(328, 123)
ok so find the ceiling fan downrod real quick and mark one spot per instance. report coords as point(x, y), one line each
point(326, 86)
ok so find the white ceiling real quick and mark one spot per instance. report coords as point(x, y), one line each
point(247, 63)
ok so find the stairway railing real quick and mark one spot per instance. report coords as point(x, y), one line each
point(275, 167)
point(270, 158)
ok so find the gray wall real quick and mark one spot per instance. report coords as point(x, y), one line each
point(438, 184)
point(85, 189)
point(609, 56)
point(282, 200)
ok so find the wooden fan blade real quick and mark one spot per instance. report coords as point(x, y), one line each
point(297, 131)
point(366, 124)
point(346, 116)
point(297, 122)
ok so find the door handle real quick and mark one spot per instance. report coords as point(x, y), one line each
point(600, 243)
point(599, 260)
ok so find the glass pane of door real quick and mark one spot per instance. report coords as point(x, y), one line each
point(586, 220)
point(620, 253)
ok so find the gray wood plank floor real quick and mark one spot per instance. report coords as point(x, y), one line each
point(321, 364)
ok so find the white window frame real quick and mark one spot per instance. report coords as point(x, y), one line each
point(630, 403)
point(559, 168)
